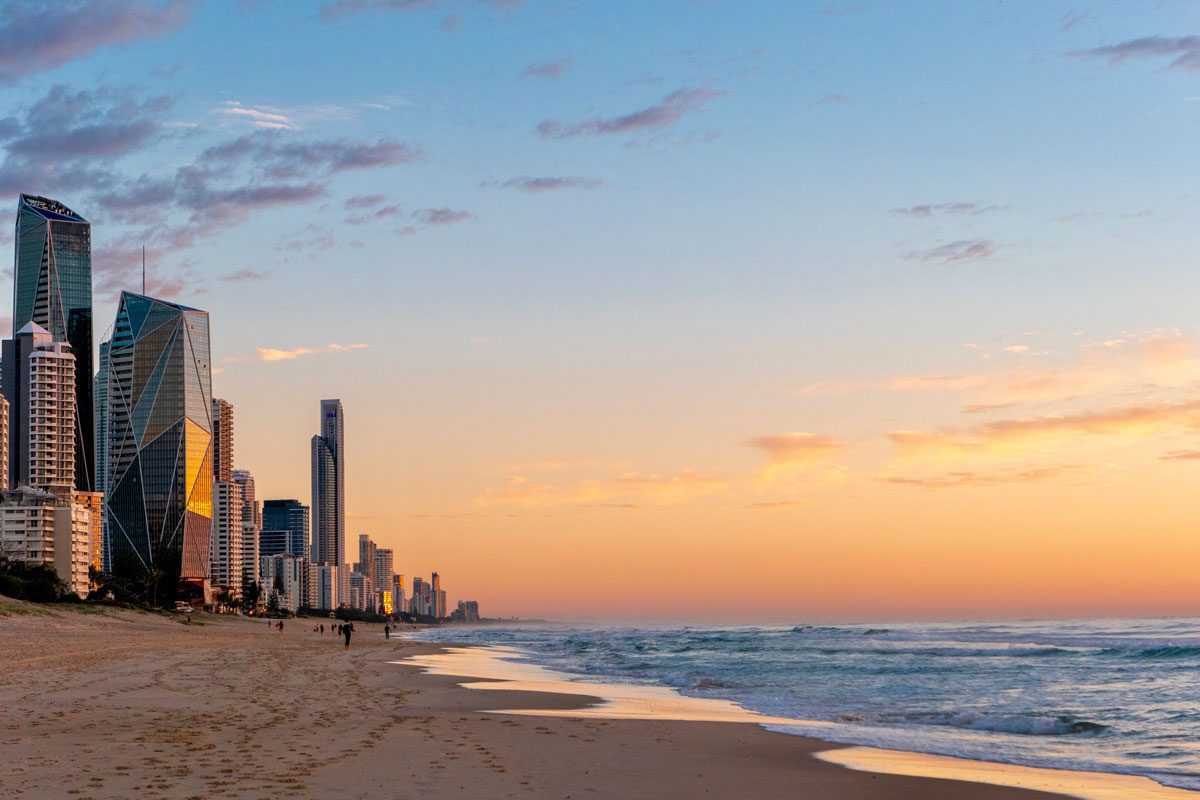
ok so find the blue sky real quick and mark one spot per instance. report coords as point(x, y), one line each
point(624, 236)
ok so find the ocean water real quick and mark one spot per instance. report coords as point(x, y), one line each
point(1112, 696)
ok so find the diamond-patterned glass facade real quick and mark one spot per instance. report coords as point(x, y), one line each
point(159, 420)
point(52, 286)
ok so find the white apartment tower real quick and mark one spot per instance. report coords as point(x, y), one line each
point(39, 384)
point(226, 558)
point(226, 547)
point(251, 524)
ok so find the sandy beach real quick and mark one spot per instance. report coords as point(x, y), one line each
point(118, 704)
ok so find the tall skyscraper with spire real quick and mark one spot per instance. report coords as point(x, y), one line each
point(160, 470)
point(329, 487)
point(52, 287)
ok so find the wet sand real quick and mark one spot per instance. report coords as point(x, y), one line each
point(122, 704)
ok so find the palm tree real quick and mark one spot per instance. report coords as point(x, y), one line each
point(153, 576)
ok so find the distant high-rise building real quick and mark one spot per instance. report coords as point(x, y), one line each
point(251, 522)
point(94, 503)
point(468, 611)
point(226, 547)
point(287, 522)
point(100, 400)
point(398, 598)
point(52, 286)
point(3, 442)
point(160, 445)
point(222, 425)
point(39, 384)
point(366, 556)
point(226, 556)
point(328, 487)
point(418, 587)
point(287, 577)
point(330, 586)
point(439, 597)
point(383, 568)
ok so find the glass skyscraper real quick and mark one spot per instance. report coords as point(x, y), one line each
point(52, 286)
point(329, 487)
point(285, 528)
point(160, 470)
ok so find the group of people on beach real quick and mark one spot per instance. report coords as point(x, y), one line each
point(343, 629)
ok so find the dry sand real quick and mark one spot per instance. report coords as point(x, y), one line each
point(123, 704)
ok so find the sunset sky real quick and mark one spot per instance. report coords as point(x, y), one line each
point(720, 309)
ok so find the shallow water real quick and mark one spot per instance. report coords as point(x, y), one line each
point(1113, 696)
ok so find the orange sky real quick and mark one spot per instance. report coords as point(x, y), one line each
point(1046, 479)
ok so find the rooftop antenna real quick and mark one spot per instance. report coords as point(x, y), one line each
point(143, 270)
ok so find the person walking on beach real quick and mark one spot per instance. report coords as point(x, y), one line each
point(346, 631)
point(387, 631)
point(322, 628)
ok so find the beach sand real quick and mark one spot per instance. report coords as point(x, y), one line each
point(125, 704)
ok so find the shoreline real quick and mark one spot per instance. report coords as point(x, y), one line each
point(114, 703)
point(610, 700)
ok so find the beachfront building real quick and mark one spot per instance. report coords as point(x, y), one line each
point(287, 577)
point(329, 487)
point(383, 576)
point(438, 596)
point(467, 611)
point(251, 523)
point(40, 527)
point(4, 405)
point(39, 384)
point(52, 287)
point(330, 584)
point(160, 473)
point(222, 431)
point(360, 591)
point(285, 525)
point(94, 503)
point(225, 547)
point(100, 403)
point(398, 599)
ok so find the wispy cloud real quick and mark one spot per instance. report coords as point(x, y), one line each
point(770, 504)
point(836, 99)
point(342, 7)
point(35, 37)
point(264, 117)
point(1181, 455)
point(1047, 431)
point(628, 490)
point(275, 354)
point(527, 183)
point(1075, 19)
point(963, 251)
point(1185, 49)
point(792, 448)
point(975, 480)
point(546, 69)
point(1121, 363)
point(364, 201)
point(442, 216)
point(928, 210)
point(246, 275)
point(667, 111)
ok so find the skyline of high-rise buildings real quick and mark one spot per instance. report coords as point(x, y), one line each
point(166, 506)
point(52, 286)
